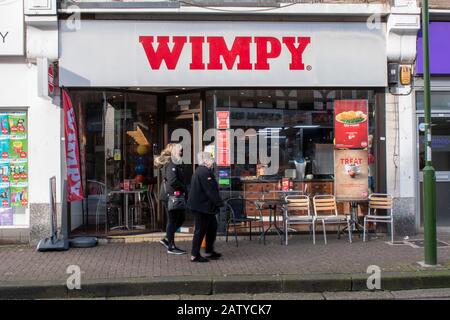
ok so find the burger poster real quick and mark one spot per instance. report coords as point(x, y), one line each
point(351, 170)
point(351, 124)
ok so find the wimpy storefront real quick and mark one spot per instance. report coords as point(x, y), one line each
point(222, 54)
point(135, 84)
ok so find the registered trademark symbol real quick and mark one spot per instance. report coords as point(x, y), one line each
point(309, 68)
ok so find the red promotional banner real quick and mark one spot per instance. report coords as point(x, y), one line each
point(223, 148)
point(74, 185)
point(351, 124)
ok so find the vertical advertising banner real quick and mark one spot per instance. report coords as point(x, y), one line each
point(351, 174)
point(351, 124)
point(74, 185)
point(223, 148)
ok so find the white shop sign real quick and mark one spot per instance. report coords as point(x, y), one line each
point(228, 54)
point(11, 28)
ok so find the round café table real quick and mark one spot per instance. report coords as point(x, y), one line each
point(271, 204)
point(354, 202)
point(126, 194)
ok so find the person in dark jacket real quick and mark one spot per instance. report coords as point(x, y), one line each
point(204, 202)
point(173, 182)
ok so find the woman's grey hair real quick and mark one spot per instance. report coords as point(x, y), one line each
point(205, 158)
point(175, 153)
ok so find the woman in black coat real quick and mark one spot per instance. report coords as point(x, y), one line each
point(204, 202)
point(173, 182)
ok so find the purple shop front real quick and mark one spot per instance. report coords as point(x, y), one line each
point(439, 49)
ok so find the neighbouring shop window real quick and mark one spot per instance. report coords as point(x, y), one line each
point(13, 168)
point(300, 119)
point(440, 100)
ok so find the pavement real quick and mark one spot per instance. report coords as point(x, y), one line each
point(141, 269)
point(422, 294)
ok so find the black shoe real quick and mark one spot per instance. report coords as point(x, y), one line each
point(213, 255)
point(175, 250)
point(164, 242)
point(180, 250)
point(199, 259)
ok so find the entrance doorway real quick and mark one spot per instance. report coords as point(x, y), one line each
point(441, 163)
point(183, 125)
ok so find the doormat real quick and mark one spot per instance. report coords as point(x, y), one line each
point(420, 243)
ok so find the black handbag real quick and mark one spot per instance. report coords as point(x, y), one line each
point(175, 202)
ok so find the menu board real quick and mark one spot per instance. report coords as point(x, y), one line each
point(351, 174)
point(351, 124)
point(13, 164)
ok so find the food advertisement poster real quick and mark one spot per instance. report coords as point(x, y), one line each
point(351, 174)
point(18, 147)
point(351, 124)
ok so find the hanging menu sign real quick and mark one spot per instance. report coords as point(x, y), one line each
point(351, 174)
point(351, 124)
point(13, 162)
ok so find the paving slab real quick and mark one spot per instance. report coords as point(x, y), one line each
point(288, 296)
point(361, 295)
point(422, 294)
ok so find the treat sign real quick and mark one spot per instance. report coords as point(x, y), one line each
point(351, 124)
point(351, 174)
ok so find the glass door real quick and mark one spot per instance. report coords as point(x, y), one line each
point(441, 162)
point(183, 125)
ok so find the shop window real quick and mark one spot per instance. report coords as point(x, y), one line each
point(118, 132)
point(13, 168)
point(440, 100)
point(300, 120)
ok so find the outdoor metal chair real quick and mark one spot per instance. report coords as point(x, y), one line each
point(325, 210)
point(380, 201)
point(297, 211)
point(238, 216)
